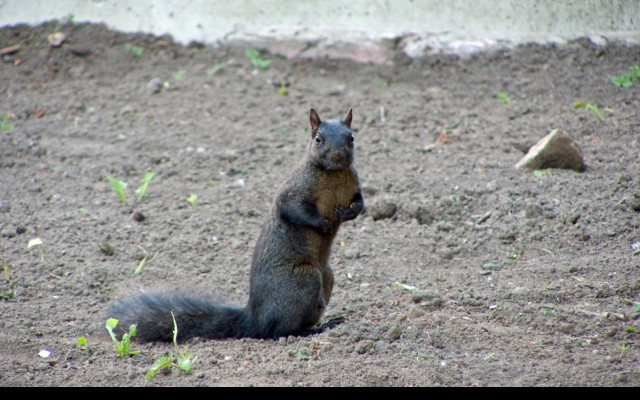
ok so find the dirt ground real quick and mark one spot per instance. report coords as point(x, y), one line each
point(521, 278)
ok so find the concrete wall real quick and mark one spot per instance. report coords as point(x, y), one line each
point(449, 25)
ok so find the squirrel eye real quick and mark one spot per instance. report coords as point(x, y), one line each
point(352, 139)
point(318, 139)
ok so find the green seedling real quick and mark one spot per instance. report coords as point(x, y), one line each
point(214, 69)
point(82, 342)
point(627, 80)
point(119, 187)
point(4, 126)
point(282, 91)
point(178, 75)
point(5, 267)
point(122, 347)
point(505, 99)
point(158, 365)
point(405, 287)
point(138, 270)
point(184, 357)
point(623, 346)
point(298, 355)
point(135, 50)
point(142, 190)
point(593, 108)
point(636, 305)
point(192, 200)
point(490, 356)
point(38, 243)
point(539, 173)
point(257, 61)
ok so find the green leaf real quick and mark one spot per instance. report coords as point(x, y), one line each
point(142, 190)
point(119, 187)
point(256, 61)
point(158, 365)
point(299, 355)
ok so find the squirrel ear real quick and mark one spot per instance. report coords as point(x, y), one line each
point(347, 118)
point(315, 122)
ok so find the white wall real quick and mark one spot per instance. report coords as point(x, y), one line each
point(439, 24)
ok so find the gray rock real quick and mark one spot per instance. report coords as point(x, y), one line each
point(556, 150)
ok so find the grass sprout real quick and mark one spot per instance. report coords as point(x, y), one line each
point(192, 200)
point(593, 108)
point(505, 99)
point(184, 362)
point(5, 267)
point(627, 80)
point(122, 347)
point(405, 287)
point(623, 346)
point(4, 126)
point(254, 56)
point(214, 69)
point(142, 190)
point(179, 74)
point(135, 50)
point(138, 270)
point(119, 187)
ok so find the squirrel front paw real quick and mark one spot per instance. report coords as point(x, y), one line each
point(347, 214)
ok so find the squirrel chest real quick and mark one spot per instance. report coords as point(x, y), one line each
point(335, 190)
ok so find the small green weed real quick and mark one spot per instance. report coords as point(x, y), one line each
point(593, 108)
point(282, 91)
point(179, 74)
point(138, 270)
point(405, 287)
point(142, 190)
point(122, 348)
point(5, 267)
point(540, 173)
point(627, 80)
point(214, 69)
point(135, 50)
point(505, 99)
point(119, 187)
point(4, 126)
point(192, 200)
point(82, 342)
point(184, 357)
point(298, 355)
point(257, 61)
point(623, 346)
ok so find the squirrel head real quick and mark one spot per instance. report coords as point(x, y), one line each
point(331, 145)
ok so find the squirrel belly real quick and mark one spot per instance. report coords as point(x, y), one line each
point(290, 281)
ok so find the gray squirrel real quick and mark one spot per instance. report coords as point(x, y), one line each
point(291, 280)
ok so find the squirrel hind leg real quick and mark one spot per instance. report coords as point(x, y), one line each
point(330, 324)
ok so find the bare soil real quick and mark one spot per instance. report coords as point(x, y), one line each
point(520, 278)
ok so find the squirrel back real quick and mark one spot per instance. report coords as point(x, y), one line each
point(291, 280)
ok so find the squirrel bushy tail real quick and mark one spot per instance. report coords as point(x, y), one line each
point(291, 280)
point(151, 313)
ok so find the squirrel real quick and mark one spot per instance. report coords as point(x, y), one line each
point(291, 280)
